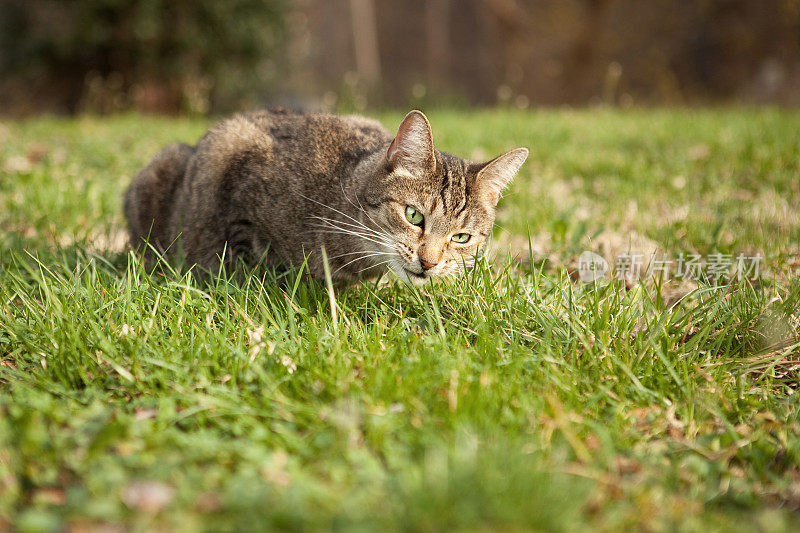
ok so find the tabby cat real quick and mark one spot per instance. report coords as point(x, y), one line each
point(280, 185)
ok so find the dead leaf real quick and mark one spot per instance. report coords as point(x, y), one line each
point(626, 465)
point(144, 414)
point(51, 496)
point(698, 152)
point(148, 496)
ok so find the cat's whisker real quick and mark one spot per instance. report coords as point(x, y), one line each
point(333, 209)
point(339, 224)
point(341, 231)
point(358, 259)
point(361, 252)
point(375, 266)
point(361, 258)
point(361, 208)
point(379, 239)
point(332, 221)
point(384, 237)
point(334, 225)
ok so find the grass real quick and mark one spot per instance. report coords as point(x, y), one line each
point(515, 398)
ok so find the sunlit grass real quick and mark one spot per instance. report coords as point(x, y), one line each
point(514, 398)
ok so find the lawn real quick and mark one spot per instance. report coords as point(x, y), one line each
point(517, 398)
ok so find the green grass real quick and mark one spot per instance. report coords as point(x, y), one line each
point(516, 398)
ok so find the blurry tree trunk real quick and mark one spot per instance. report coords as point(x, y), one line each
point(578, 72)
point(437, 34)
point(509, 14)
point(365, 42)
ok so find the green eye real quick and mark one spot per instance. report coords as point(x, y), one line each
point(414, 216)
point(461, 237)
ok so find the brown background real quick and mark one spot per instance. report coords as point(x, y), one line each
point(354, 54)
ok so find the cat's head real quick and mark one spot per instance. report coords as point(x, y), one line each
point(435, 209)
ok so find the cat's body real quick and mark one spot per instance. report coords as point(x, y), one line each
point(286, 184)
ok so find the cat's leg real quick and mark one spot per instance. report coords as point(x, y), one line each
point(150, 200)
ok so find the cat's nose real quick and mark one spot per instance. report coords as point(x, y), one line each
point(426, 265)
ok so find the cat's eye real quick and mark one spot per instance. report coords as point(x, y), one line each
point(461, 238)
point(414, 216)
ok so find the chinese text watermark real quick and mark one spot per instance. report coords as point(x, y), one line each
point(692, 267)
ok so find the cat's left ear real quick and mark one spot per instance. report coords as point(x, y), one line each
point(498, 173)
point(412, 148)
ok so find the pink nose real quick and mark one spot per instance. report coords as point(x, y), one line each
point(426, 265)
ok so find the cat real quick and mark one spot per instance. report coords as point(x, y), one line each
point(279, 185)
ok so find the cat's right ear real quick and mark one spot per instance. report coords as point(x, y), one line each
point(412, 148)
point(495, 175)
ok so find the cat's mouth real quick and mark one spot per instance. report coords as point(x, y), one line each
point(417, 275)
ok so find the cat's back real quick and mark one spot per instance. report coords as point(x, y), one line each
point(307, 130)
point(256, 168)
point(295, 140)
point(318, 141)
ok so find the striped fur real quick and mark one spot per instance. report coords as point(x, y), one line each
point(279, 185)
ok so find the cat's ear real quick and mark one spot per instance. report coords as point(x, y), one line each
point(495, 175)
point(412, 148)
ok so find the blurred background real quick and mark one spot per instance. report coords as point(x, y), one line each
point(211, 56)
